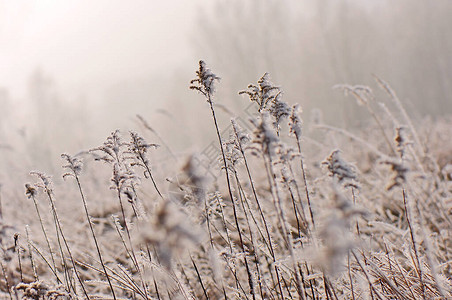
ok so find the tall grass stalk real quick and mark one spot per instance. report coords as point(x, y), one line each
point(17, 248)
point(205, 85)
point(31, 193)
point(266, 227)
point(74, 166)
point(5, 276)
point(305, 181)
point(48, 190)
point(30, 255)
point(281, 215)
point(291, 226)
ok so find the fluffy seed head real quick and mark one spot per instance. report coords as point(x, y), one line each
point(339, 168)
point(295, 121)
point(74, 165)
point(262, 93)
point(204, 81)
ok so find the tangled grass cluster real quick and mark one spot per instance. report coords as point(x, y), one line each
point(290, 217)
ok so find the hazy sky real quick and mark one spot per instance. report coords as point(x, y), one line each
point(86, 45)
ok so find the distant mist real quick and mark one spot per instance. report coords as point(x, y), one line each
point(310, 46)
point(66, 96)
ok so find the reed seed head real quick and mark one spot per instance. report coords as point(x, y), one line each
point(262, 93)
point(339, 168)
point(204, 81)
point(295, 121)
point(46, 181)
point(30, 191)
point(74, 165)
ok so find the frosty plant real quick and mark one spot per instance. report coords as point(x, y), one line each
point(138, 147)
point(204, 84)
point(262, 93)
point(31, 192)
point(261, 241)
point(116, 152)
point(74, 167)
point(268, 97)
point(295, 125)
point(46, 185)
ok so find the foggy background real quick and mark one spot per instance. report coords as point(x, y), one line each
point(73, 71)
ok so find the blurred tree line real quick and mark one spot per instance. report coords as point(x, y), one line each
point(311, 45)
point(308, 46)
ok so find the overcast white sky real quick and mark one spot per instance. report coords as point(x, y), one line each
point(86, 44)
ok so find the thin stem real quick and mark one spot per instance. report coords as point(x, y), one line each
point(372, 289)
point(199, 278)
point(278, 205)
point(88, 218)
point(223, 219)
point(413, 241)
point(46, 261)
point(250, 281)
point(269, 244)
point(354, 203)
point(295, 209)
point(59, 228)
point(133, 257)
point(256, 258)
point(17, 249)
point(305, 181)
point(6, 281)
point(30, 254)
point(45, 234)
point(350, 277)
point(150, 174)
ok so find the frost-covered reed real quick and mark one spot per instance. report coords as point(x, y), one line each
point(299, 211)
